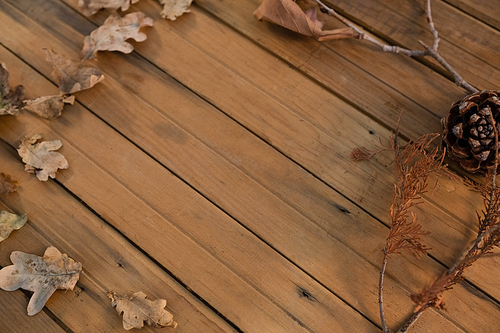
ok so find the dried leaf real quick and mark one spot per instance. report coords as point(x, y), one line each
point(7, 184)
point(10, 100)
point(288, 14)
point(112, 34)
point(40, 157)
point(42, 275)
point(90, 7)
point(72, 76)
point(49, 107)
point(10, 222)
point(137, 309)
point(172, 9)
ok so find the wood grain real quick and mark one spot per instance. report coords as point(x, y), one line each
point(221, 148)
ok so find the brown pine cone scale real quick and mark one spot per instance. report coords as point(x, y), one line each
point(469, 131)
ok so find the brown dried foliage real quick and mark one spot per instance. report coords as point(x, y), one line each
point(487, 239)
point(413, 166)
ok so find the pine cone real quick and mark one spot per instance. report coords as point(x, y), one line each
point(468, 132)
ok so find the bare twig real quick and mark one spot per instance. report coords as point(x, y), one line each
point(385, 329)
point(429, 51)
point(410, 322)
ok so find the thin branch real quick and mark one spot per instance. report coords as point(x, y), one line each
point(411, 321)
point(429, 51)
point(385, 329)
point(458, 79)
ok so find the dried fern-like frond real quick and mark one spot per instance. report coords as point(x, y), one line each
point(413, 165)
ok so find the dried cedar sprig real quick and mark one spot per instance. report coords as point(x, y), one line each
point(487, 239)
point(413, 165)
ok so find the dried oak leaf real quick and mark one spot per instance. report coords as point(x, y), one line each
point(288, 14)
point(49, 107)
point(40, 157)
point(10, 222)
point(42, 275)
point(7, 184)
point(90, 7)
point(172, 9)
point(10, 100)
point(72, 76)
point(137, 309)
point(112, 34)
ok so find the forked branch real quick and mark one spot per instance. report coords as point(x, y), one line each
point(431, 51)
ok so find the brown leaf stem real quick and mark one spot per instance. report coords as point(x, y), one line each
point(429, 51)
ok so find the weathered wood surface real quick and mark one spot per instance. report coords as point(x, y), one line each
point(211, 168)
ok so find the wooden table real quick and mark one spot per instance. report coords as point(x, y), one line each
point(211, 168)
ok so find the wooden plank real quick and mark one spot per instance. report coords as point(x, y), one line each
point(121, 67)
point(307, 105)
point(453, 241)
point(484, 10)
point(210, 278)
point(109, 261)
point(447, 242)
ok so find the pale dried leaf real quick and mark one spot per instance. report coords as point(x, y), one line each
point(41, 275)
point(49, 107)
point(90, 7)
point(172, 9)
point(10, 100)
point(137, 309)
point(112, 34)
point(288, 14)
point(10, 222)
point(7, 184)
point(40, 157)
point(72, 76)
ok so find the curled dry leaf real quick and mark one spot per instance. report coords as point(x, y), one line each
point(40, 157)
point(72, 76)
point(112, 34)
point(90, 7)
point(7, 184)
point(49, 107)
point(172, 9)
point(42, 275)
point(288, 14)
point(10, 222)
point(10, 100)
point(137, 309)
